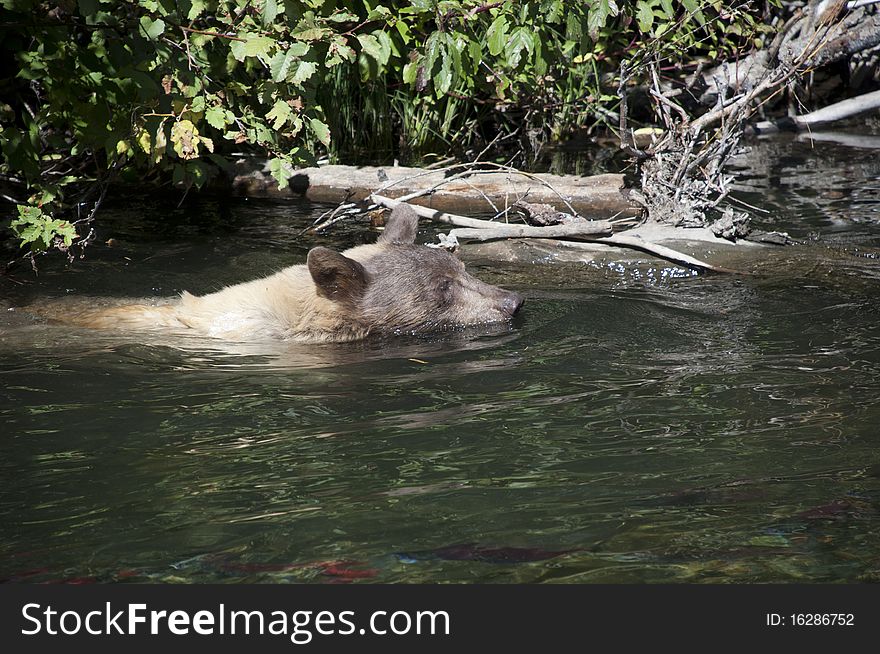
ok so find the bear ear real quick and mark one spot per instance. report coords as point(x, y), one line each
point(401, 226)
point(336, 277)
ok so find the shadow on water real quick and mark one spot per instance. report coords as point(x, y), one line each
point(624, 429)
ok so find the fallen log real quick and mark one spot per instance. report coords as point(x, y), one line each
point(594, 195)
point(487, 230)
point(832, 113)
point(864, 141)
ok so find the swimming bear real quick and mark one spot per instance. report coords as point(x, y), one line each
point(392, 286)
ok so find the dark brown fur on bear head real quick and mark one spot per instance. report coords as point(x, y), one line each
point(397, 286)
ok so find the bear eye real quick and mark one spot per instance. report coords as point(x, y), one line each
point(446, 285)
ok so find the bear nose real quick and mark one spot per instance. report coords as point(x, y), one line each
point(511, 304)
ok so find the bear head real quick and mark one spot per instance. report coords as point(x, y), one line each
point(396, 286)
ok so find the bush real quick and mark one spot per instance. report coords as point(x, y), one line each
point(166, 90)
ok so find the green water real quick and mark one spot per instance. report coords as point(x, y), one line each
point(625, 429)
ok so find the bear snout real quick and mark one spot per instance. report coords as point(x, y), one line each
point(511, 304)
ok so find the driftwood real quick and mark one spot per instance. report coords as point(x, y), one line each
point(481, 228)
point(587, 230)
point(864, 141)
point(824, 116)
point(486, 230)
point(433, 214)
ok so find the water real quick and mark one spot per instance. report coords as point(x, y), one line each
point(624, 430)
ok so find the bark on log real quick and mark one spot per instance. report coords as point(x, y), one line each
point(600, 196)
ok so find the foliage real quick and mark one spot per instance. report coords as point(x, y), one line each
point(39, 231)
point(169, 89)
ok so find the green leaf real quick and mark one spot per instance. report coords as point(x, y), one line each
point(178, 174)
point(373, 47)
point(379, 13)
point(432, 50)
point(270, 11)
point(303, 71)
point(279, 114)
point(645, 17)
point(387, 44)
point(321, 131)
point(252, 46)
point(554, 11)
point(343, 16)
point(443, 79)
point(197, 173)
point(197, 8)
point(520, 38)
point(541, 65)
point(338, 52)
point(152, 28)
point(281, 170)
point(410, 72)
point(574, 28)
point(280, 64)
point(38, 229)
point(694, 10)
point(455, 45)
point(299, 49)
point(217, 117)
point(597, 19)
point(475, 54)
point(497, 35)
point(419, 7)
point(65, 230)
point(313, 34)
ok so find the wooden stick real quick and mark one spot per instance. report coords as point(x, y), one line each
point(585, 230)
point(440, 216)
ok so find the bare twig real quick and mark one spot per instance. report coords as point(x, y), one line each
point(337, 214)
point(433, 214)
point(581, 230)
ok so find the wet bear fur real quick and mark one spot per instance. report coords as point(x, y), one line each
point(391, 286)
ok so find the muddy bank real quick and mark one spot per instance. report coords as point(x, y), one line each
point(595, 196)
